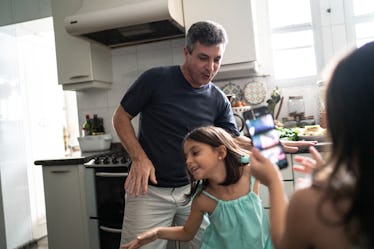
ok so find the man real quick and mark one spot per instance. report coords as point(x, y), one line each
point(171, 102)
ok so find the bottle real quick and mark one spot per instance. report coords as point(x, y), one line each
point(97, 125)
point(87, 126)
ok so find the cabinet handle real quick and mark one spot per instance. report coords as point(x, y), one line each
point(111, 230)
point(78, 77)
point(61, 171)
point(108, 174)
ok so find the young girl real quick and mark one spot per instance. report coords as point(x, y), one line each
point(222, 187)
point(335, 211)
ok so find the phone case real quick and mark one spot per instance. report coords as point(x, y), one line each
point(261, 129)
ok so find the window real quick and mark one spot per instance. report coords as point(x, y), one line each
point(306, 35)
point(292, 39)
point(363, 12)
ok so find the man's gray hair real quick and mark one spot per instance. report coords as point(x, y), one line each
point(207, 33)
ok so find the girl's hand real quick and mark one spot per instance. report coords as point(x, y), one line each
point(263, 169)
point(141, 240)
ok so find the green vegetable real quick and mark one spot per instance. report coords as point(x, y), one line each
point(286, 134)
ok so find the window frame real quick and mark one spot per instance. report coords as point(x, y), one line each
point(333, 27)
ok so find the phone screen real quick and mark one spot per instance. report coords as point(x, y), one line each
point(261, 129)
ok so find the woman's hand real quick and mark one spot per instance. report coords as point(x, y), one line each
point(306, 164)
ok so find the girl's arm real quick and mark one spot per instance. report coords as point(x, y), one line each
point(181, 233)
point(269, 175)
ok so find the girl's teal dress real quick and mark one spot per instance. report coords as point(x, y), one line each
point(237, 224)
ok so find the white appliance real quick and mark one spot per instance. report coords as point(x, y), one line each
point(125, 22)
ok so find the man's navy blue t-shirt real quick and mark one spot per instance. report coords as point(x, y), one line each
point(169, 108)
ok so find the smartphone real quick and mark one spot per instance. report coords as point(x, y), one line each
point(261, 129)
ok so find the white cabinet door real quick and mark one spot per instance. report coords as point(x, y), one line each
point(235, 16)
point(65, 207)
point(80, 63)
point(264, 193)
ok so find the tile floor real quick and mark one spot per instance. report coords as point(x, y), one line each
point(40, 244)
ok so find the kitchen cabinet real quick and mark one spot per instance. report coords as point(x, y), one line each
point(290, 176)
point(81, 63)
point(66, 211)
point(12, 11)
point(288, 180)
point(239, 59)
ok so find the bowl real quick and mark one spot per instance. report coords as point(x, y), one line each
point(95, 142)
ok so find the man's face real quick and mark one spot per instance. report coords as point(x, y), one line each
point(203, 63)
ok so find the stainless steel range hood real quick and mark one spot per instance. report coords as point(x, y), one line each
point(117, 23)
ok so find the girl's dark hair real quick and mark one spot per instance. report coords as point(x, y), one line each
point(350, 116)
point(215, 137)
point(207, 33)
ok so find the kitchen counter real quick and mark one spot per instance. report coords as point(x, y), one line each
point(321, 147)
point(84, 157)
point(69, 159)
point(76, 157)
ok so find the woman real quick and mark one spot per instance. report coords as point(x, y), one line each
point(335, 211)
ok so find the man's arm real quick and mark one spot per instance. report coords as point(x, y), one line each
point(289, 146)
point(142, 168)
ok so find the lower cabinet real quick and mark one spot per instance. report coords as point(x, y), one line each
point(67, 219)
point(289, 180)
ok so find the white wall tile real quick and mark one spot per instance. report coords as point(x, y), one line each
point(128, 64)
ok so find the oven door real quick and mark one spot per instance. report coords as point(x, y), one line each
point(110, 201)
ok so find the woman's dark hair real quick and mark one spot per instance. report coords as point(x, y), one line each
point(215, 137)
point(207, 33)
point(350, 117)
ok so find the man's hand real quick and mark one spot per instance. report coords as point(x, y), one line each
point(140, 172)
point(294, 146)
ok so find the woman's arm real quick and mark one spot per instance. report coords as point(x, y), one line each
point(181, 233)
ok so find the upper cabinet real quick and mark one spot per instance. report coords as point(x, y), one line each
point(81, 64)
point(239, 59)
point(12, 11)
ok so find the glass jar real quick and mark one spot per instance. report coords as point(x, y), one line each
point(296, 106)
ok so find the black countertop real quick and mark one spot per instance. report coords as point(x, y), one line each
point(84, 157)
point(75, 158)
point(70, 159)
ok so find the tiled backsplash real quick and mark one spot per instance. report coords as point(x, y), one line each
point(130, 62)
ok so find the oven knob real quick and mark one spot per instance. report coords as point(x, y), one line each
point(97, 160)
point(106, 160)
point(114, 160)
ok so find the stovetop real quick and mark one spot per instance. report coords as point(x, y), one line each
point(110, 159)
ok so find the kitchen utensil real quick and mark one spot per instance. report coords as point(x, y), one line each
point(95, 142)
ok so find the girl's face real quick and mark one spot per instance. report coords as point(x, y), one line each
point(201, 159)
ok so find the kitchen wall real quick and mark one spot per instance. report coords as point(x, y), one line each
point(130, 62)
